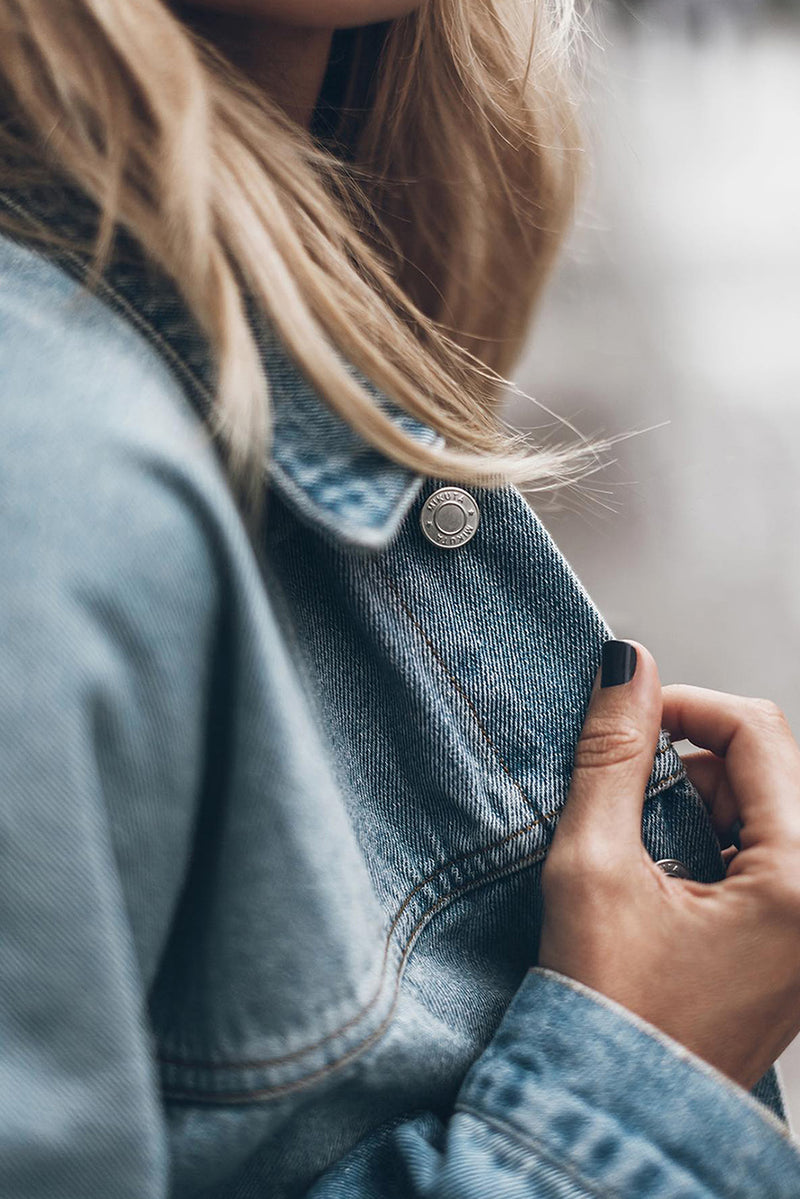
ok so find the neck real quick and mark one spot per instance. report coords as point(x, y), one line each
point(287, 61)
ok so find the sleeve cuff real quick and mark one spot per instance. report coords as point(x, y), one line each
point(620, 1105)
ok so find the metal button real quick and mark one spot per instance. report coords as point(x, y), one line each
point(449, 517)
point(673, 868)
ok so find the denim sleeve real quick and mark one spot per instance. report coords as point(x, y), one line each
point(100, 704)
point(576, 1096)
point(108, 612)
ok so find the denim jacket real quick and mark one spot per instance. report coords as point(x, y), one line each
point(273, 814)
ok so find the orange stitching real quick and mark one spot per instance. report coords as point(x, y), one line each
point(459, 689)
point(530, 860)
point(265, 1062)
point(265, 1092)
point(273, 1061)
point(527, 861)
point(657, 788)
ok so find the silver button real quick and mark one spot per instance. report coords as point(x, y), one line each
point(673, 868)
point(449, 517)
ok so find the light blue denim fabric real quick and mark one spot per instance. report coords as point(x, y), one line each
point(272, 816)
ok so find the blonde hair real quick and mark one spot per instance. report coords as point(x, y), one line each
point(415, 256)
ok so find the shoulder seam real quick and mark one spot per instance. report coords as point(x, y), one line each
point(116, 300)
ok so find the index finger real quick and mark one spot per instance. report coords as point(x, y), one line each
point(762, 758)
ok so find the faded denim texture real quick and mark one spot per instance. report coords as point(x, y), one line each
point(272, 816)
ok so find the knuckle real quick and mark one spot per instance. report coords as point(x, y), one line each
point(609, 742)
point(768, 711)
point(781, 887)
point(784, 897)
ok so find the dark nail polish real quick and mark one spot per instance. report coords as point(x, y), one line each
point(619, 663)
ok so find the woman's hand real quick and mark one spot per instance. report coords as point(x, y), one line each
point(714, 965)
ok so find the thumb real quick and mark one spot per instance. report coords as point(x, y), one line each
point(615, 751)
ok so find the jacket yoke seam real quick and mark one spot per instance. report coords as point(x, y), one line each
point(355, 1050)
point(290, 1057)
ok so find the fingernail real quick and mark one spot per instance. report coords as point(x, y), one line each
point(618, 663)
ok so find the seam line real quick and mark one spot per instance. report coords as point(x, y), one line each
point(290, 1057)
point(656, 788)
point(120, 302)
point(529, 1141)
point(460, 691)
point(354, 1051)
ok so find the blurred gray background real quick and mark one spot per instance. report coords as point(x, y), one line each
point(677, 304)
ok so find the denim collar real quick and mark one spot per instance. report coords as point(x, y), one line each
point(327, 472)
point(329, 475)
